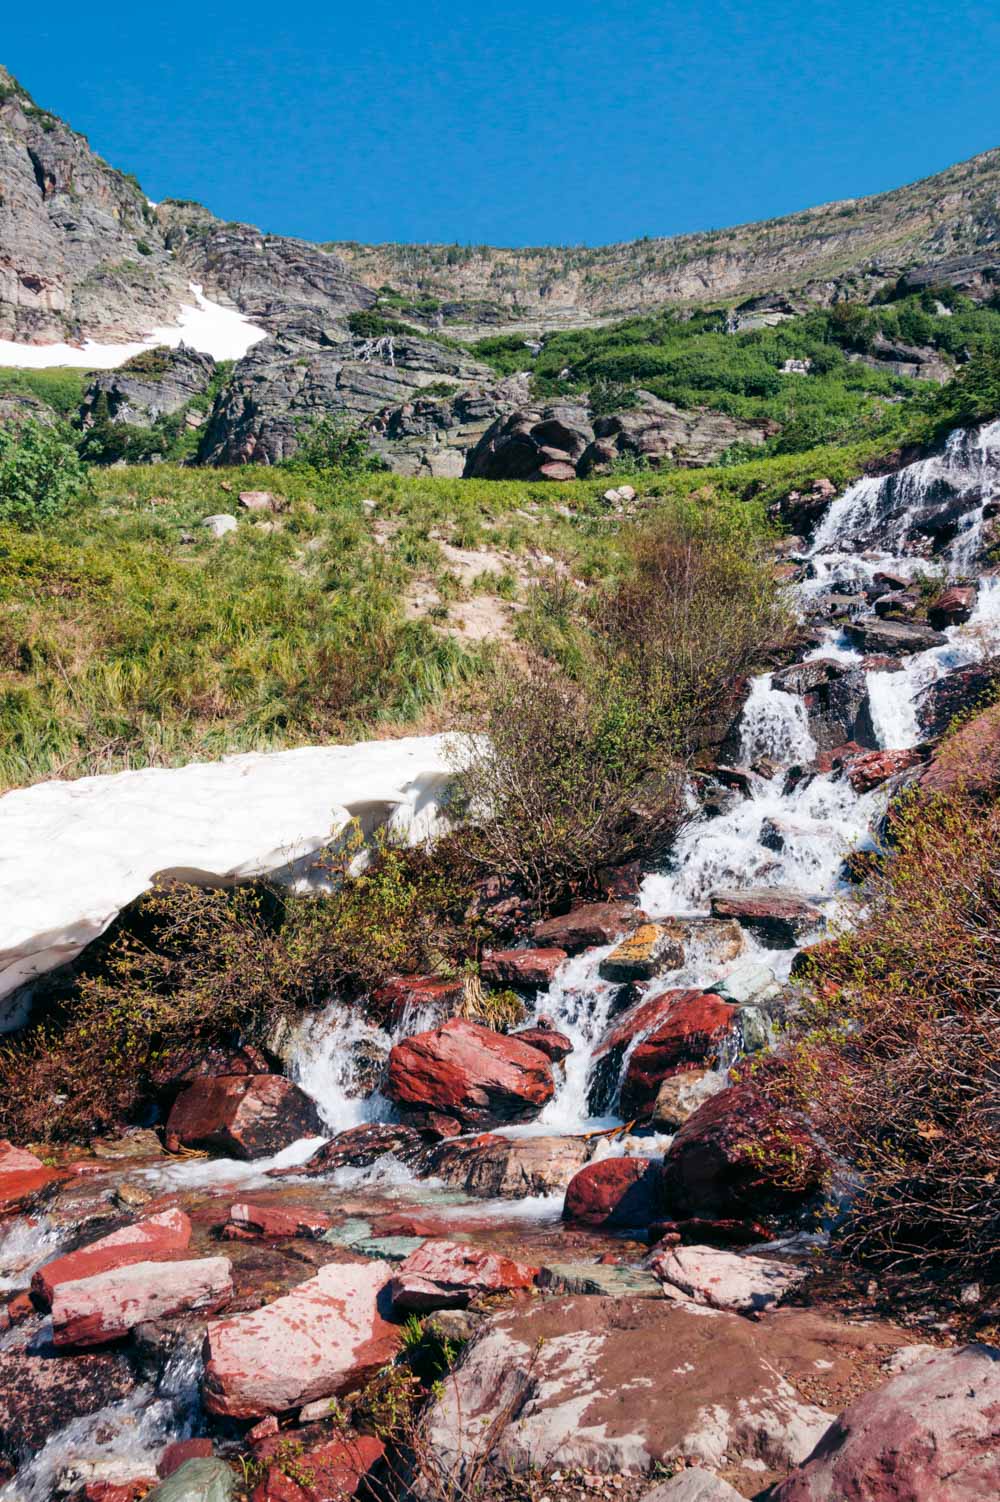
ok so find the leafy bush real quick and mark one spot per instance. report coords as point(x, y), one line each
point(60, 387)
point(896, 1053)
point(334, 444)
point(40, 475)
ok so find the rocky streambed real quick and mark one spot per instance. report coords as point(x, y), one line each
point(575, 1203)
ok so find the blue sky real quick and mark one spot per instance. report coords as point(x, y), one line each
point(570, 121)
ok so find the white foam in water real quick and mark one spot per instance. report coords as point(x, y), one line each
point(218, 1173)
point(579, 1003)
point(328, 1055)
point(774, 724)
point(207, 326)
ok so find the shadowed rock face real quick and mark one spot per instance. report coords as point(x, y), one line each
point(153, 385)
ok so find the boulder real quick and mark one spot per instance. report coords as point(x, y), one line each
point(42, 1391)
point(159, 1236)
point(360, 1147)
point(220, 524)
point(323, 1338)
point(525, 968)
point(247, 1220)
point(155, 383)
point(646, 952)
point(494, 1167)
point(449, 1274)
point(532, 444)
point(694, 1484)
point(331, 1470)
point(179, 1451)
point(406, 997)
point(243, 1116)
point(778, 916)
point(198, 1480)
point(869, 769)
point(953, 694)
point(680, 1095)
point(968, 762)
point(869, 634)
point(107, 1305)
point(555, 1046)
point(690, 1031)
point(612, 1192)
point(725, 1280)
point(469, 1075)
point(620, 1384)
point(594, 923)
point(928, 1435)
point(739, 1155)
point(22, 1175)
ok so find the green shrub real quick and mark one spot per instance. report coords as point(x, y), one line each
point(335, 445)
point(41, 476)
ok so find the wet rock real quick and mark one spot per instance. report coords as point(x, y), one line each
point(323, 1338)
point(953, 694)
point(275, 1221)
point(801, 510)
point(679, 1096)
point(145, 1241)
point(839, 710)
point(688, 1029)
point(41, 1393)
point(897, 603)
point(555, 1046)
point(330, 1470)
point(894, 637)
point(197, 1480)
point(449, 1274)
point(594, 923)
point(563, 1382)
point(524, 968)
point(871, 768)
point(647, 952)
point(778, 916)
point(181, 1450)
point(612, 1192)
point(739, 1155)
point(620, 883)
point(805, 677)
point(248, 1116)
point(106, 1305)
point(929, 1434)
point(469, 1074)
point(494, 1167)
point(138, 1145)
point(723, 1280)
point(608, 1280)
point(417, 994)
point(717, 941)
point(360, 1147)
point(697, 1231)
point(968, 762)
point(22, 1175)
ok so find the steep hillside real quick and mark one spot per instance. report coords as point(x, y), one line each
point(818, 253)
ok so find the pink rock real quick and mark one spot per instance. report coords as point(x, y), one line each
point(555, 1046)
point(159, 1236)
point(724, 1280)
point(21, 1176)
point(447, 1274)
point(611, 1192)
point(929, 1435)
point(273, 1220)
point(594, 923)
point(522, 967)
point(953, 607)
point(871, 768)
point(97, 1309)
point(245, 1116)
point(321, 1339)
point(181, 1450)
point(331, 1471)
point(468, 1074)
point(419, 993)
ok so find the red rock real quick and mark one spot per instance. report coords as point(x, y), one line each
point(611, 1192)
point(448, 1274)
point(928, 1435)
point(107, 1305)
point(968, 762)
point(468, 1073)
point(359, 1147)
point(555, 1046)
point(594, 923)
point(246, 1116)
point(953, 607)
point(41, 1392)
point(417, 993)
point(620, 883)
point(145, 1241)
point(328, 1472)
point(699, 1232)
point(273, 1220)
point(115, 1491)
point(826, 761)
point(21, 1176)
point(182, 1449)
point(678, 1030)
point(871, 768)
point(323, 1338)
point(737, 1156)
point(778, 916)
point(522, 967)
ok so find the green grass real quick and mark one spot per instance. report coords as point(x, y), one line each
point(60, 388)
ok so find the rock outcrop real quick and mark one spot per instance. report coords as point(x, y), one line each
point(242, 1116)
point(148, 386)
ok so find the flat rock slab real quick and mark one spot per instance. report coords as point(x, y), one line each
point(620, 1384)
point(723, 1279)
point(199, 1480)
point(449, 1274)
point(106, 1306)
point(158, 1236)
point(594, 923)
point(778, 916)
point(495, 1167)
point(21, 1177)
point(870, 634)
point(275, 1221)
point(324, 1337)
point(608, 1280)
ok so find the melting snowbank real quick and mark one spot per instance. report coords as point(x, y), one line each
point(206, 326)
point(73, 854)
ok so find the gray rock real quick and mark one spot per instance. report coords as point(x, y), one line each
point(205, 1480)
point(745, 983)
point(220, 524)
point(873, 635)
point(153, 384)
point(694, 1485)
point(433, 435)
point(610, 1280)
